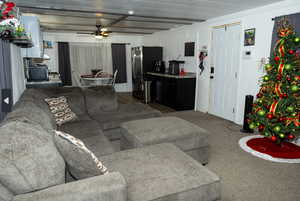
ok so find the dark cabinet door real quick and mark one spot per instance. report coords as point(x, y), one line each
point(178, 94)
point(5, 73)
point(186, 89)
point(170, 92)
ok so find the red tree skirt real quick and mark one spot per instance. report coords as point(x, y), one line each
point(285, 150)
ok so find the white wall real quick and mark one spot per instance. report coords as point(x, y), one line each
point(17, 70)
point(250, 70)
point(72, 37)
point(173, 45)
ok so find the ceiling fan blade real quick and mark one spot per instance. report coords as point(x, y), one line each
point(85, 33)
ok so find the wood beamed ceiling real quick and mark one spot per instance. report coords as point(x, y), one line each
point(70, 20)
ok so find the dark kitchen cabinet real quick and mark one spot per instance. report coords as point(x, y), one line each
point(174, 91)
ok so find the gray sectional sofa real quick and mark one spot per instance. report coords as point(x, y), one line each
point(31, 168)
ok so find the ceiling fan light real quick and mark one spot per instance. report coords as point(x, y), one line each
point(99, 37)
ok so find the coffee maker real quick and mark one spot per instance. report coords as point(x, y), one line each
point(174, 67)
point(159, 66)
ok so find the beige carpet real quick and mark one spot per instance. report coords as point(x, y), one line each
point(243, 176)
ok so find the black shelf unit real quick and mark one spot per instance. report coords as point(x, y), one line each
point(176, 93)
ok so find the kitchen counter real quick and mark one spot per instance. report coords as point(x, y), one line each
point(187, 75)
point(175, 91)
point(52, 82)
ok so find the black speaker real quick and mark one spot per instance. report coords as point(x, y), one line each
point(248, 110)
point(6, 102)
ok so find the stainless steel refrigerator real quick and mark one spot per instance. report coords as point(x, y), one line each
point(143, 59)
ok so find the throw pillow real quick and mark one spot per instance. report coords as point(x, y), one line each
point(81, 162)
point(61, 110)
point(29, 159)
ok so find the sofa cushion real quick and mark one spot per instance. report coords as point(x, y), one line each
point(125, 112)
point(100, 145)
point(82, 163)
point(75, 99)
point(37, 97)
point(91, 134)
point(164, 172)
point(60, 91)
point(74, 95)
point(60, 109)
point(5, 194)
point(29, 158)
point(30, 111)
point(82, 129)
point(33, 94)
point(100, 99)
point(77, 103)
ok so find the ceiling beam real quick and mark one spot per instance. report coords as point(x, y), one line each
point(109, 13)
point(108, 18)
point(117, 21)
point(114, 26)
point(78, 30)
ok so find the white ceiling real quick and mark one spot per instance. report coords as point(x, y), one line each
point(157, 14)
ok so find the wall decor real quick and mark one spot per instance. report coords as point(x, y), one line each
point(48, 44)
point(189, 50)
point(249, 37)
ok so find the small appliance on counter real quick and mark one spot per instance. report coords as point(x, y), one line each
point(175, 66)
point(38, 72)
point(159, 66)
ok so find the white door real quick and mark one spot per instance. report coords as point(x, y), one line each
point(225, 61)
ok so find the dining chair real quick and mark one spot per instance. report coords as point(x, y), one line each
point(114, 78)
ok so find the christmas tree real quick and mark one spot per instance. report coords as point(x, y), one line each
point(276, 110)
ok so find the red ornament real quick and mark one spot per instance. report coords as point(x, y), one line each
point(281, 119)
point(270, 116)
point(10, 4)
point(291, 51)
point(285, 95)
point(277, 58)
point(274, 138)
point(288, 79)
point(261, 128)
point(291, 136)
point(279, 77)
point(259, 95)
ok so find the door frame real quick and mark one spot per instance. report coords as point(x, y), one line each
point(211, 63)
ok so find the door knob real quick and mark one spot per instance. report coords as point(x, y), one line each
point(211, 77)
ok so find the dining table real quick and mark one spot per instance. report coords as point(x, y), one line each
point(102, 80)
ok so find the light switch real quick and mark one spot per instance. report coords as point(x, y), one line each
point(247, 54)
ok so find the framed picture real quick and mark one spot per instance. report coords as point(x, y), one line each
point(189, 49)
point(249, 37)
point(48, 44)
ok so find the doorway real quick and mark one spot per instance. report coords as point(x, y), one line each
point(226, 45)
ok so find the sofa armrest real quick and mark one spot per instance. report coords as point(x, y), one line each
point(110, 187)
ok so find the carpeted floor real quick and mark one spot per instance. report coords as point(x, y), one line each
point(243, 176)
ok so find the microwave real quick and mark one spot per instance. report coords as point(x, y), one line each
point(38, 73)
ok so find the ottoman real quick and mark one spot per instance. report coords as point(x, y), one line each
point(163, 172)
point(190, 138)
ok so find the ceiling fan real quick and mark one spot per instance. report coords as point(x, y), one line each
point(100, 33)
